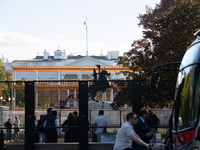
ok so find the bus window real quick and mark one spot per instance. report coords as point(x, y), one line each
point(188, 83)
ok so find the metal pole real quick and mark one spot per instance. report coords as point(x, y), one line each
point(2, 140)
point(83, 115)
point(86, 37)
point(29, 116)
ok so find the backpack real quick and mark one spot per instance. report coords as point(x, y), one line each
point(40, 124)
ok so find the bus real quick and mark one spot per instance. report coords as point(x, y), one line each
point(184, 122)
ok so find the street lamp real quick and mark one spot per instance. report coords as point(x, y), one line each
point(9, 99)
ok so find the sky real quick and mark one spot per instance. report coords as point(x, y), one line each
point(27, 28)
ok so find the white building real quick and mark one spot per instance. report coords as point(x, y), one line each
point(61, 67)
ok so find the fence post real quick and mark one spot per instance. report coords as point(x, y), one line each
point(83, 115)
point(2, 140)
point(136, 99)
point(29, 116)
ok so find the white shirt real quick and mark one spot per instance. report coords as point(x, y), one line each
point(123, 140)
point(56, 124)
point(17, 122)
point(100, 121)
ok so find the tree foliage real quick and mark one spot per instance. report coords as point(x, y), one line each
point(167, 32)
point(2, 78)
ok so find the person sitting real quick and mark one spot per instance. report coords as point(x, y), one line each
point(126, 135)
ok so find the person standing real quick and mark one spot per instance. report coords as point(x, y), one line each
point(16, 128)
point(73, 132)
point(142, 129)
point(8, 129)
point(49, 113)
point(40, 129)
point(126, 134)
point(66, 130)
point(99, 121)
point(52, 134)
point(153, 122)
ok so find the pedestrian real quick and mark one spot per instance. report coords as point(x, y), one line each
point(49, 113)
point(99, 121)
point(142, 129)
point(73, 132)
point(66, 130)
point(52, 134)
point(153, 122)
point(16, 128)
point(126, 134)
point(8, 126)
point(41, 129)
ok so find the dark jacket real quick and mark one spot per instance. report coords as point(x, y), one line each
point(141, 129)
point(40, 124)
point(50, 121)
point(8, 125)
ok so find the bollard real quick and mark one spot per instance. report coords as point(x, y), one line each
point(1, 140)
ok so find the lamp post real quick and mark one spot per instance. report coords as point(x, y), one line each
point(13, 101)
point(9, 99)
point(1, 98)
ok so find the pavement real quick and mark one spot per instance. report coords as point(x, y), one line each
point(60, 140)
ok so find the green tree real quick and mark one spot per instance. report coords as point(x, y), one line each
point(2, 78)
point(8, 88)
point(20, 94)
point(167, 32)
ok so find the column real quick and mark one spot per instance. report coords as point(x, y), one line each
point(67, 96)
point(36, 91)
point(79, 76)
point(36, 74)
point(104, 96)
point(75, 98)
point(36, 98)
point(58, 85)
point(14, 99)
point(111, 96)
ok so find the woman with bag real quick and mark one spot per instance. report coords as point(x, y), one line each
point(66, 130)
point(16, 128)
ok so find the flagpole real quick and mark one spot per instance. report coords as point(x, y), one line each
point(86, 38)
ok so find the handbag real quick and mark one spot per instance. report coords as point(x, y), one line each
point(65, 129)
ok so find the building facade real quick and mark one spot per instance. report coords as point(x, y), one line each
point(67, 70)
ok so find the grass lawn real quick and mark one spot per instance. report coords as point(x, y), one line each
point(163, 132)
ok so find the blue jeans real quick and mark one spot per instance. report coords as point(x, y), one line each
point(8, 134)
point(43, 137)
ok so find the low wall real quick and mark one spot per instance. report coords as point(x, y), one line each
point(62, 146)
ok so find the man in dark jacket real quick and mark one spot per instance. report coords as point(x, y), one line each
point(52, 134)
point(142, 129)
point(8, 129)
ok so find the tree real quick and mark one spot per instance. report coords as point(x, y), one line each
point(168, 31)
point(2, 78)
point(20, 94)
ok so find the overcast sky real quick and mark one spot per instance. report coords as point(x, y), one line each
point(27, 27)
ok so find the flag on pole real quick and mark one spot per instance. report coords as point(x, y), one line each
point(85, 23)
